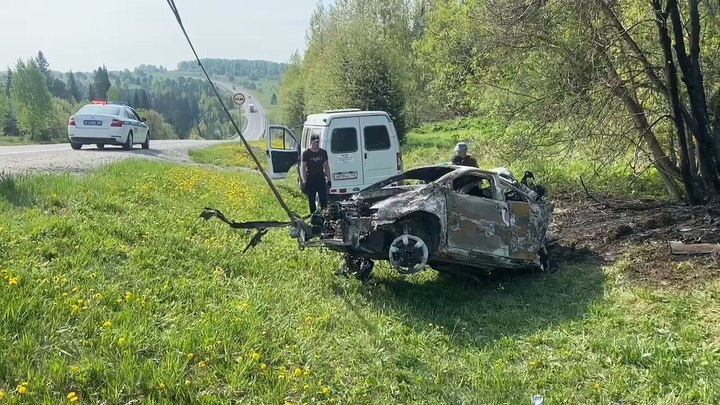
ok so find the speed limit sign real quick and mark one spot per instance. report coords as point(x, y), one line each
point(238, 98)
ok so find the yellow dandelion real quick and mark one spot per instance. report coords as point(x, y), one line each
point(239, 359)
point(263, 366)
point(325, 390)
point(65, 294)
point(201, 364)
point(75, 309)
point(2, 394)
point(107, 324)
point(255, 356)
point(287, 403)
point(74, 369)
point(297, 372)
point(119, 301)
point(188, 382)
point(190, 356)
point(532, 363)
point(161, 386)
point(306, 387)
point(22, 389)
point(121, 341)
point(306, 371)
point(72, 396)
point(13, 281)
point(597, 386)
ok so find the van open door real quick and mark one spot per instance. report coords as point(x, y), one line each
point(283, 151)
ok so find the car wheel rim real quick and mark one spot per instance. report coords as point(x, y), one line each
point(408, 254)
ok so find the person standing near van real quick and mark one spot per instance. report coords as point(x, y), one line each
point(461, 157)
point(314, 170)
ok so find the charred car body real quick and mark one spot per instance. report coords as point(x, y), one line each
point(455, 219)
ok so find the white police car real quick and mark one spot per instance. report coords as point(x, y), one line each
point(107, 123)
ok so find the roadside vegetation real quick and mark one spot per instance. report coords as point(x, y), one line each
point(606, 86)
point(113, 290)
point(36, 102)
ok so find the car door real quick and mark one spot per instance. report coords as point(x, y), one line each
point(138, 127)
point(345, 153)
point(478, 217)
point(529, 225)
point(283, 151)
point(380, 159)
point(142, 126)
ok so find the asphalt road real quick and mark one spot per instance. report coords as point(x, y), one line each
point(255, 126)
point(56, 158)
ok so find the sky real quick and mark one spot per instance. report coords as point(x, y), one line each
point(84, 34)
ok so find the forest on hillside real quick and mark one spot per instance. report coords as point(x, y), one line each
point(636, 82)
point(35, 101)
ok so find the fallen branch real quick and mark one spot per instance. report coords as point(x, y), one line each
point(679, 248)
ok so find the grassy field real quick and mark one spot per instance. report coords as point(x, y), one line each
point(112, 290)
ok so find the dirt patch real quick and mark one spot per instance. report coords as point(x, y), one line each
point(584, 229)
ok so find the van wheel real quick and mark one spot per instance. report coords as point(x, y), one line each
point(101, 146)
point(75, 145)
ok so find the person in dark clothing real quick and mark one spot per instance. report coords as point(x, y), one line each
point(314, 170)
point(461, 157)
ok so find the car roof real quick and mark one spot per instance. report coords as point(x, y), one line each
point(324, 118)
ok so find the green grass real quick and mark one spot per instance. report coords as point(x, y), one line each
point(12, 140)
point(496, 146)
point(111, 287)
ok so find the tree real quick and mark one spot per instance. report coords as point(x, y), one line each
point(43, 65)
point(4, 111)
point(273, 99)
point(73, 87)
point(101, 82)
point(136, 100)
point(32, 100)
point(91, 91)
point(115, 94)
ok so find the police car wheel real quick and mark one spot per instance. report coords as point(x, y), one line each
point(128, 142)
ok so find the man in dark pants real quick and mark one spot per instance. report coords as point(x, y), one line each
point(314, 170)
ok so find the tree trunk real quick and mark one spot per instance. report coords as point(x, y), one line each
point(661, 160)
point(694, 195)
point(692, 77)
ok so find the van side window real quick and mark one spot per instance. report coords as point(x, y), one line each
point(344, 140)
point(308, 133)
point(376, 137)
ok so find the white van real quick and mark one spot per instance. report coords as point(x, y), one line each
point(363, 148)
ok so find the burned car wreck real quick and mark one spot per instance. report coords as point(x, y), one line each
point(456, 219)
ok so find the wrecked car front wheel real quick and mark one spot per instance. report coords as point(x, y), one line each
point(408, 254)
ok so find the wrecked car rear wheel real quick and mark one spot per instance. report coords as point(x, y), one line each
point(408, 254)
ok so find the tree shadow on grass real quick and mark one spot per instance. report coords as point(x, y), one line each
point(503, 304)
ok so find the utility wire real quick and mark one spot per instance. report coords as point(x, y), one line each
point(293, 216)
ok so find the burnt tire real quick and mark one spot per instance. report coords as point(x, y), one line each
point(408, 254)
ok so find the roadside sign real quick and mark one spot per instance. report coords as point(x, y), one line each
point(239, 98)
